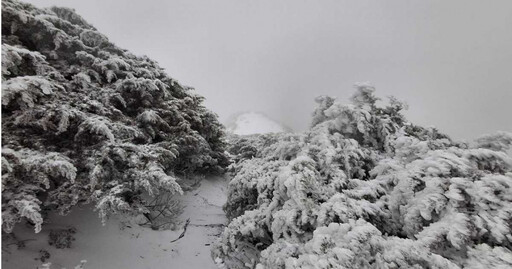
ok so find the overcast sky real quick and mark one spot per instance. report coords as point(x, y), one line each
point(450, 60)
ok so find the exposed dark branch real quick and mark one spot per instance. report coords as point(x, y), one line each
point(184, 231)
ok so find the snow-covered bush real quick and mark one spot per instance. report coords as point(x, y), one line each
point(86, 121)
point(365, 188)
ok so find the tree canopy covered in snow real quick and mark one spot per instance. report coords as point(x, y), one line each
point(366, 188)
point(86, 121)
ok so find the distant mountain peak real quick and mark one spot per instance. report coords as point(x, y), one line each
point(252, 122)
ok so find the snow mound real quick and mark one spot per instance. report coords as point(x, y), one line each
point(254, 123)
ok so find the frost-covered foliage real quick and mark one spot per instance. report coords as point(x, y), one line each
point(365, 188)
point(84, 120)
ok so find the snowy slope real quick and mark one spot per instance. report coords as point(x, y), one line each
point(109, 247)
point(254, 123)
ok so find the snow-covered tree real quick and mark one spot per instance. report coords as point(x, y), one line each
point(365, 188)
point(86, 121)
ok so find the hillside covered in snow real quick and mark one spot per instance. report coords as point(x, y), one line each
point(106, 158)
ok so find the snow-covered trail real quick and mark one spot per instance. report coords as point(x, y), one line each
point(109, 247)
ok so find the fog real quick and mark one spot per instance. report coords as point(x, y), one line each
point(450, 60)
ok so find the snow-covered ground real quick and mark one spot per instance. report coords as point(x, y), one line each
point(113, 246)
point(254, 123)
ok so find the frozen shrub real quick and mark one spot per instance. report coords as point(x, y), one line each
point(163, 212)
point(86, 121)
point(365, 188)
